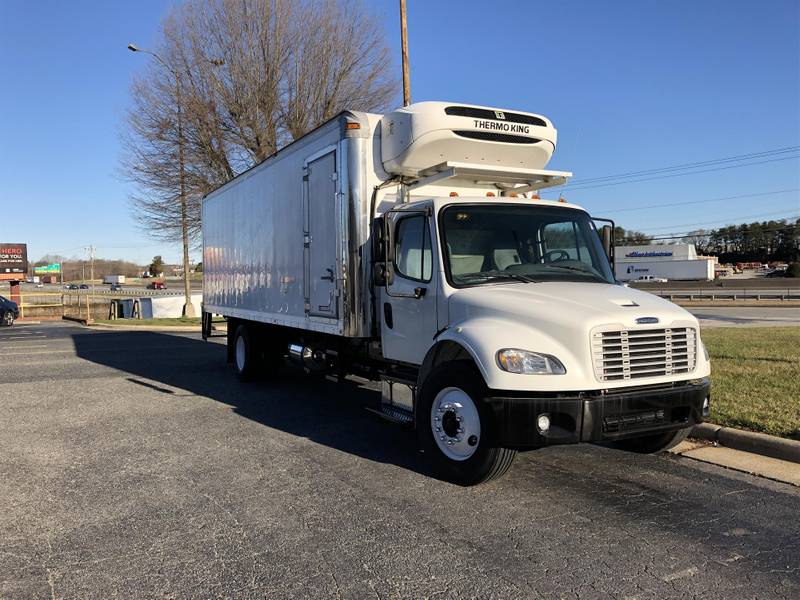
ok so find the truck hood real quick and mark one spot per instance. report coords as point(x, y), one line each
point(557, 318)
point(555, 305)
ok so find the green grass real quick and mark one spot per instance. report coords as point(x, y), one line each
point(755, 377)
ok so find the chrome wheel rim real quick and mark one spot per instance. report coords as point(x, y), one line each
point(240, 353)
point(455, 424)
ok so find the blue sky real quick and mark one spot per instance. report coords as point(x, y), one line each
point(631, 85)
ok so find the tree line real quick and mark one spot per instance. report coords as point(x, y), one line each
point(240, 80)
point(760, 241)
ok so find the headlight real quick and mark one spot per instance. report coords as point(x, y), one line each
point(529, 363)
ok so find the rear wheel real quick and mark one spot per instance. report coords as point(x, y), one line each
point(256, 352)
point(244, 354)
point(650, 444)
point(455, 426)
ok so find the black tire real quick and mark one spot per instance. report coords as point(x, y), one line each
point(651, 444)
point(488, 460)
point(263, 354)
point(8, 318)
point(245, 356)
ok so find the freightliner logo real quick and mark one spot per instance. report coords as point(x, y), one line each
point(494, 125)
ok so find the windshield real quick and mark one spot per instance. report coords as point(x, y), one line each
point(502, 242)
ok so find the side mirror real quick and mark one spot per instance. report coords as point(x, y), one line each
point(379, 274)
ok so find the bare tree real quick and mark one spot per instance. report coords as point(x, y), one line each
point(254, 75)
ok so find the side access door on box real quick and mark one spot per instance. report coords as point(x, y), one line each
point(320, 187)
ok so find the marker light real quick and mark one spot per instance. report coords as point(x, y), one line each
point(525, 362)
point(535, 197)
point(562, 199)
point(453, 194)
point(352, 125)
point(490, 194)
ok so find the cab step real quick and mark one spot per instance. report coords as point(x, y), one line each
point(394, 414)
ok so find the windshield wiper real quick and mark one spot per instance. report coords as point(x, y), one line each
point(489, 275)
point(572, 268)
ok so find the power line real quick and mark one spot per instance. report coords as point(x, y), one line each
point(738, 157)
point(725, 220)
point(786, 227)
point(754, 195)
point(750, 164)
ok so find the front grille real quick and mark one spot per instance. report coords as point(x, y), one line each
point(637, 353)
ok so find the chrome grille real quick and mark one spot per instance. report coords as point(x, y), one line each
point(637, 353)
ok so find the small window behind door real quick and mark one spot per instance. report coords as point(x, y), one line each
point(413, 248)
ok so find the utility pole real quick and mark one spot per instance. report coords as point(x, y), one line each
point(404, 46)
point(188, 307)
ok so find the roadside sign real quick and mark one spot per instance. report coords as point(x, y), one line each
point(13, 261)
point(47, 269)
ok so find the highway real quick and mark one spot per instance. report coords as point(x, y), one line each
point(135, 464)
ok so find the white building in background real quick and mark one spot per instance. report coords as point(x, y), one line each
point(669, 261)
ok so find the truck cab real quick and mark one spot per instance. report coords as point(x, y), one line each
point(515, 298)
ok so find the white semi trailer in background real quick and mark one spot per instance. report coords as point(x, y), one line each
point(411, 248)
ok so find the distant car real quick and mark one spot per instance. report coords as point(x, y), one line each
point(116, 287)
point(83, 286)
point(156, 285)
point(40, 285)
point(9, 311)
point(71, 286)
point(776, 273)
point(652, 279)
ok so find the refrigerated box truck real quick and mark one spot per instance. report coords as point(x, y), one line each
point(411, 248)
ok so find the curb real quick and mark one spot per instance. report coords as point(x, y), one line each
point(749, 441)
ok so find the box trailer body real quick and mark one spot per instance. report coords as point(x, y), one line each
point(114, 279)
point(411, 248)
point(674, 270)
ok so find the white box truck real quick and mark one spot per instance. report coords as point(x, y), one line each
point(114, 279)
point(410, 248)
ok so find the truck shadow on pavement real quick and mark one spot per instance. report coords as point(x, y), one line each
point(322, 410)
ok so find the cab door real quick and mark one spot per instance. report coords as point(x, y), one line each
point(408, 299)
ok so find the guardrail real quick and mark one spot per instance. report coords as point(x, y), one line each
point(737, 295)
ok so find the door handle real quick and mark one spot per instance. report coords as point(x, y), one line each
point(328, 277)
point(419, 292)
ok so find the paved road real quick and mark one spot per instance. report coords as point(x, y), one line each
point(746, 316)
point(134, 465)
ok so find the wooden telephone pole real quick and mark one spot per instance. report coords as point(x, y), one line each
point(404, 45)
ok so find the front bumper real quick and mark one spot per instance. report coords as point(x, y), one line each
point(596, 416)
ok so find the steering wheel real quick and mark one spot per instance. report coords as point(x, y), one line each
point(549, 256)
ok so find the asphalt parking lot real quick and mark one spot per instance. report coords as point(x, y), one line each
point(133, 464)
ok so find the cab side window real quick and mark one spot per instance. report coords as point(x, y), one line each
point(413, 248)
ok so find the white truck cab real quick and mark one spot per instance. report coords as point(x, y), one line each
point(429, 263)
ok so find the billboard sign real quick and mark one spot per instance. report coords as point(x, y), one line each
point(13, 261)
point(53, 269)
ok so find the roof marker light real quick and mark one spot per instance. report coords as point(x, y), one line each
point(490, 194)
point(535, 197)
point(352, 125)
point(453, 194)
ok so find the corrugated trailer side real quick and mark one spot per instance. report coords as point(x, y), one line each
point(276, 247)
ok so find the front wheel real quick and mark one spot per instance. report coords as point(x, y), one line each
point(455, 426)
point(8, 318)
point(650, 444)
